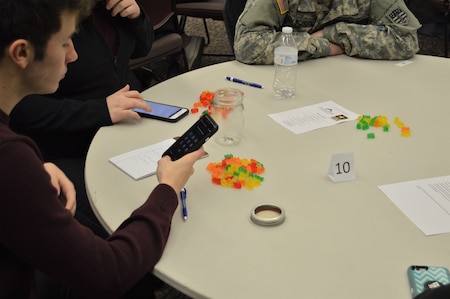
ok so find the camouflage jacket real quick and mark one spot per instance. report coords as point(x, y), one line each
point(375, 29)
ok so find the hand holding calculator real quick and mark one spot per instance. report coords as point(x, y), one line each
point(193, 138)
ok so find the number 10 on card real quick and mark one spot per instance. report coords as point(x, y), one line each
point(342, 167)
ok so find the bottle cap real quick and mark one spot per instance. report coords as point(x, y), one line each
point(286, 29)
point(268, 214)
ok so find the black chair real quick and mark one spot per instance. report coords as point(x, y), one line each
point(168, 42)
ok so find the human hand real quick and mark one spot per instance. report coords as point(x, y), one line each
point(121, 103)
point(334, 48)
point(64, 187)
point(176, 173)
point(317, 34)
point(125, 8)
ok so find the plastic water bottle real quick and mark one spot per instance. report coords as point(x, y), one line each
point(285, 61)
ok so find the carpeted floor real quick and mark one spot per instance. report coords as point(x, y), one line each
point(429, 45)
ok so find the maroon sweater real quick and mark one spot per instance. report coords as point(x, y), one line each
point(36, 231)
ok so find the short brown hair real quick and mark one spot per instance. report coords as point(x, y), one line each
point(36, 20)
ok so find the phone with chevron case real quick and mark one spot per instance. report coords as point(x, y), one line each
point(422, 278)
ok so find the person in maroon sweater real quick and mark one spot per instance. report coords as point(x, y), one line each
point(99, 89)
point(37, 202)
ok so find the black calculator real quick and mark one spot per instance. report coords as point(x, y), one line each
point(193, 138)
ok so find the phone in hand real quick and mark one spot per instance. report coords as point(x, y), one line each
point(193, 138)
point(163, 112)
point(422, 278)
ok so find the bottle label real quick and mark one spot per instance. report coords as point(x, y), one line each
point(286, 56)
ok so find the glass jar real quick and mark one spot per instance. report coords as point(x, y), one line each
point(227, 111)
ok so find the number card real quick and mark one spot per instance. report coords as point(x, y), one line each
point(342, 167)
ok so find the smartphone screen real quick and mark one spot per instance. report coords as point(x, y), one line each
point(163, 111)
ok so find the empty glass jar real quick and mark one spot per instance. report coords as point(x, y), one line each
point(227, 111)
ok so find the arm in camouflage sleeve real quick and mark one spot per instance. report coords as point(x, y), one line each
point(258, 29)
point(391, 35)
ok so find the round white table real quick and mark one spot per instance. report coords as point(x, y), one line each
point(339, 240)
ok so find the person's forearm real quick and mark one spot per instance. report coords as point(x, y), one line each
point(373, 42)
point(142, 29)
point(45, 114)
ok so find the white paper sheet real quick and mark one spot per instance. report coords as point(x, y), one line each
point(142, 162)
point(308, 118)
point(425, 202)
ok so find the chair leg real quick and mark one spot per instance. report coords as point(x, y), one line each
point(185, 62)
point(182, 23)
point(446, 35)
point(206, 31)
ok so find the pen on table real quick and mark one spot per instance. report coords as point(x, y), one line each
point(233, 79)
point(183, 194)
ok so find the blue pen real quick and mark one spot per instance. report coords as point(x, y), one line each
point(233, 79)
point(183, 194)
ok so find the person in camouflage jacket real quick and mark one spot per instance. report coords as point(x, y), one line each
point(373, 29)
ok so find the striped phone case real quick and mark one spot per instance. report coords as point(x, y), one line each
point(422, 278)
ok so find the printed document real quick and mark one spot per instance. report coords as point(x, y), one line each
point(425, 202)
point(308, 118)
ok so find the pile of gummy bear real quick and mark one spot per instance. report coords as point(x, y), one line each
point(366, 121)
point(236, 173)
point(205, 101)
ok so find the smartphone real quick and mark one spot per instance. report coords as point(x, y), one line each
point(193, 138)
point(163, 112)
point(422, 278)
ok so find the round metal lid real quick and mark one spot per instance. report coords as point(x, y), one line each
point(268, 214)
